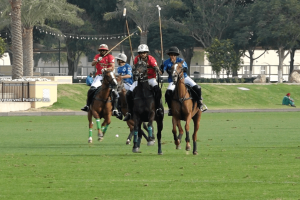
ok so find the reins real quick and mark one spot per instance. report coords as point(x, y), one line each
point(180, 77)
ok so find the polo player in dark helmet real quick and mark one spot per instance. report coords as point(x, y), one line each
point(173, 53)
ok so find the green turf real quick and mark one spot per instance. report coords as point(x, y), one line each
point(216, 96)
point(241, 156)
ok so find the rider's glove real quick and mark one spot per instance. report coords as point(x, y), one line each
point(162, 69)
point(99, 59)
point(103, 70)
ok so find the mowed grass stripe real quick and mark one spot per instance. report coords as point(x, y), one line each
point(241, 156)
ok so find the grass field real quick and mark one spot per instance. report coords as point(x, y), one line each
point(241, 156)
point(216, 96)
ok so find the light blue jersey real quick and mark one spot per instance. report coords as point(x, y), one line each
point(126, 70)
point(168, 64)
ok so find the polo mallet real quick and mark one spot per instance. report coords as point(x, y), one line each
point(161, 42)
point(138, 30)
point(124, 15)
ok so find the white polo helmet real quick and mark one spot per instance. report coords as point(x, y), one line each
point(143, 48)
point(122, 57)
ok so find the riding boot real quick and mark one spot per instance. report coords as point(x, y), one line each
point(129, 100)
point(119, 109)
point(196, 89)
point(168, 97)
point(90, 95)
point(115, 100)
point(157, 95)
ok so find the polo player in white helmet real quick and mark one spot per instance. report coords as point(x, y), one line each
point(143, 51)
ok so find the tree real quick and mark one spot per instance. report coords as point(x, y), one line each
point(221, 55)
point(143, 13)
point(171, 37)
point(17, 66)
point(37, 13)
point(278, 25)
point(208, 20)
point(2, 47)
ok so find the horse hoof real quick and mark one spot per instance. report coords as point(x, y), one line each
point(127, 142)
point(195, 153)
point(150, 143)
point(136, 150)
point(160, 153)
point(188, 148)
point(100, 137)
point(178, 147)
point(90, 140)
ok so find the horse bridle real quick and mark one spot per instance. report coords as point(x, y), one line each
point(115, 83)
point(175, 73)
point(141, 76)
point(180, 76)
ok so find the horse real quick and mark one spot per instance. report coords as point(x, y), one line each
point(101, 106)
point(183, 108)
point(144, 107)
point(124, 110)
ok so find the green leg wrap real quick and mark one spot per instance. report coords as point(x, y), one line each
point(135, 136)
point(98, 124)
point(150, 131)
point(104, 129)
point(91, 132)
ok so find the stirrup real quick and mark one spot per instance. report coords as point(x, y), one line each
point(203, 109)
point(115, 113)
point(127, 117)
point(85, 108)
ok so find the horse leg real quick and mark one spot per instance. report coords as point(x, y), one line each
point(187, 129)
point(100, 134)
point(131, 126)
point(90, 140)
point(174, 131)
point(180, 129)
point(159, 129)
point(137, 124)
point(196, 120)
point(146, 129)
point(150, 134)
point(105, 124)
point(139, 137)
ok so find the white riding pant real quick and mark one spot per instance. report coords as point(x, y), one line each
point(187, 80)
point(127, 86)
point(97, 81)
point(151, 82)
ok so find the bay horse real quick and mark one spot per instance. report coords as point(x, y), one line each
point(144, 107)
point(124, 109)
point(101, 106)
point(183, 108)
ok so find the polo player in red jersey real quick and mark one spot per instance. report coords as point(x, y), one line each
point(102, 62)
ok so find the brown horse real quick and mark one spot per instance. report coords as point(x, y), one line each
point(101, 106)
point(183, 108)
point(124, 110)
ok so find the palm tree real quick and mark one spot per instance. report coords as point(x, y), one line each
point(143, 13)
point(16, 32)
point(35, 13)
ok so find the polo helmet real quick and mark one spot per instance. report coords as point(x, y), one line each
point(122, 57)
point(174, 50)
point(143, 48)
point(103, 47)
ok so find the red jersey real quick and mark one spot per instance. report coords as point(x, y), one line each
point(104, 62)
point(151, 63)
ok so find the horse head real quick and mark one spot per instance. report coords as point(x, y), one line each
point(109, 78)
point(177, 72)
point(140, 71)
